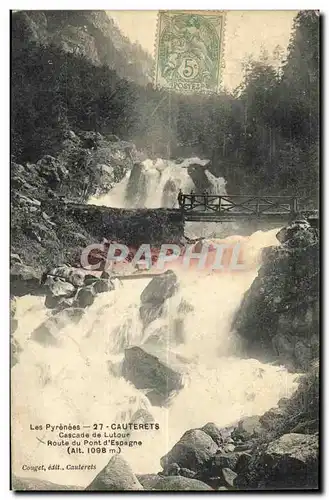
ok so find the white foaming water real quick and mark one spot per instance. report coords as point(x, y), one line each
point(72, 382)
point(154, 184)
point(79, 382)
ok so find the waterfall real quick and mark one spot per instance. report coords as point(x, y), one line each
point(79, 380)
point(155, 184)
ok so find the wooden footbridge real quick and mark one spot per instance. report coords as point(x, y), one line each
point(217, 208)
point(228, 208)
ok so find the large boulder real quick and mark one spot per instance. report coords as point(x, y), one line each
point(248, 428)
point(160, 288)
point(24, 280)
point(58, 287)
point(221, 461)
point(180, 483)
point(214, 432)
point(279, 314)
point(290, 462)
point(47, 333)
point(161, 374)
point(85, 296)
point(150, 312)
point(70, 274)
point(194, 449)
point(229, 477)
point(51, 170)
point(102, 285)
point(298, 234)
point(33, 484)
point(148, 481)
point(116, 476)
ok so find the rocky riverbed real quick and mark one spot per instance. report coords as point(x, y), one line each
point(274, 450)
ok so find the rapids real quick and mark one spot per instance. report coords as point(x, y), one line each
point(79, 382)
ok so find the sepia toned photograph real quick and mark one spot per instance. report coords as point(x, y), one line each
point(164, 250)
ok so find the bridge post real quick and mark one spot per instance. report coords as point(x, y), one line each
point(294, 205)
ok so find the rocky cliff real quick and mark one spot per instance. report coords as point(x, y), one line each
point(46, 232)
point(279, 315)
point(92, 34)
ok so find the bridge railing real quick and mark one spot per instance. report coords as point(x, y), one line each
point(237, 204)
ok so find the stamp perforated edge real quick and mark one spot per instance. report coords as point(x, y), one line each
point(221, 65)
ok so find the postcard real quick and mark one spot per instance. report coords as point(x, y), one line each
point(164, 267)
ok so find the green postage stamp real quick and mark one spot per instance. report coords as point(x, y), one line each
point(189, 50)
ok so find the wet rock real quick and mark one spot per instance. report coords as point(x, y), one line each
point(71, 135)
point(248, 428)
point(116, 476)
point(73, 315)
point(85, 296)
point(70, 274)
point(76, 277)
point(14, 257)
point(147, 371)
point(47, 333)
point(172, 470)
point(180, 483)
point(288, 462)
point(63, 303)
point(150, 312)
point(159, 339)
point(229, 447)
point(52, 302)
point(306, 427)
point(24, 280)
point(214, 432)
point(160, 288)
point(279, 313)
point(90, 279)
point(44, 334)
point(273, 418)
point(51, 170)
point(148, 481)
point(283, 346)
point(297, 234)
point(229, 477)
point(304, 354)
point(15, 350)
point(242, 462)
point(192, 451)
point(185, 307)
point(101, 286)
point(142, 416)
point(59, 288)
point(13, 306)
point(283, 402)
point(186, 472)
point(106, 275)
point(223, 460)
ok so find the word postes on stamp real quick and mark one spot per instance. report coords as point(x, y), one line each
point(189, 50)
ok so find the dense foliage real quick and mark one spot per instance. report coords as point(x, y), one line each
point(263, 137)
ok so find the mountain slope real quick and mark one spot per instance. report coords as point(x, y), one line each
point(89, 33)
